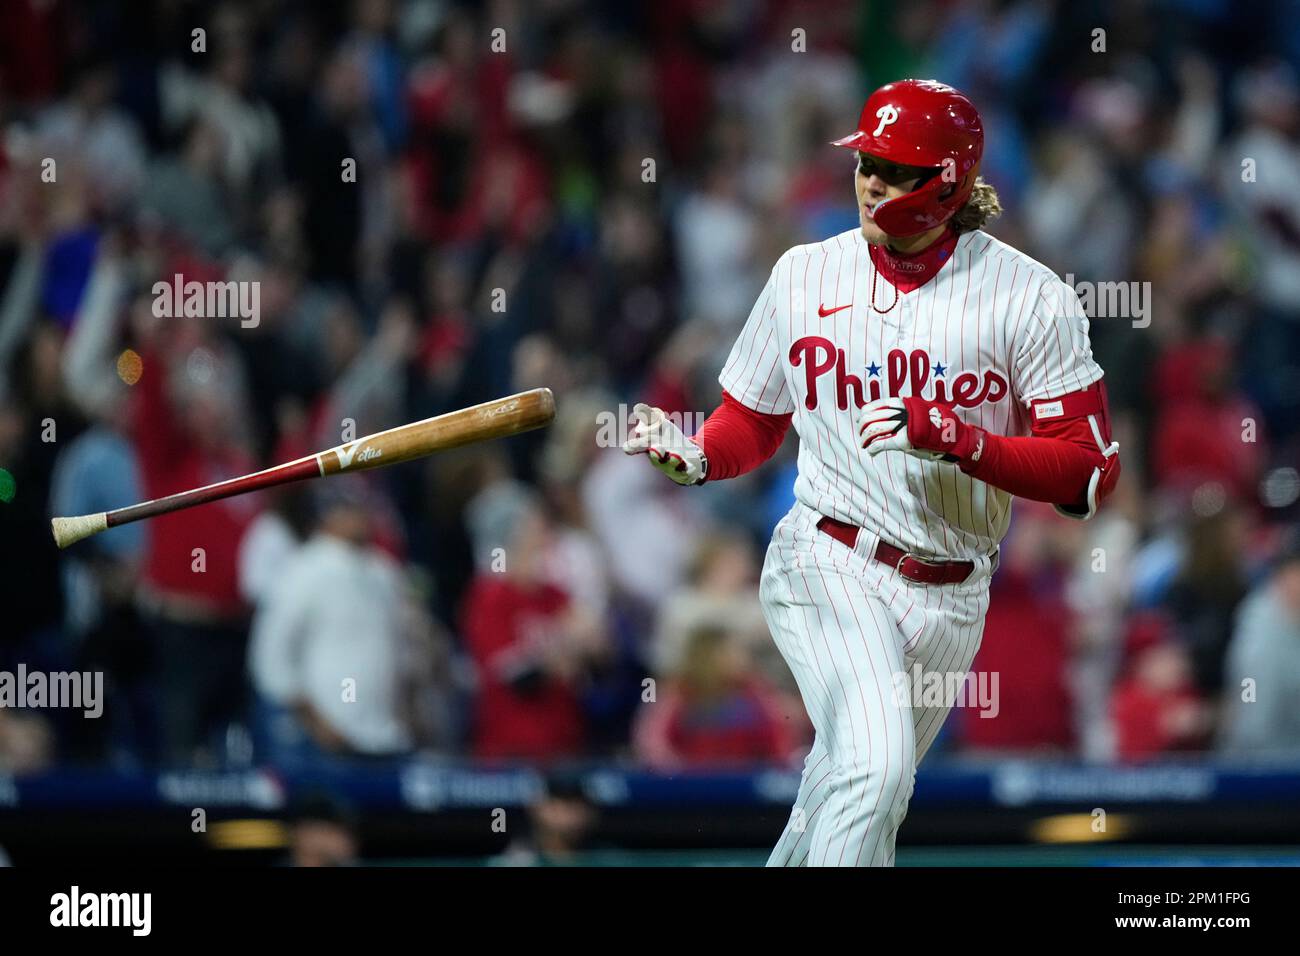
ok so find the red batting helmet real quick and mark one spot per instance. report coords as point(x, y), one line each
point(921, 123)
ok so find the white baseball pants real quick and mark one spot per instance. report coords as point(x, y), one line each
point(848, 626)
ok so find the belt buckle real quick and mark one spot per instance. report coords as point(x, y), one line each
point(906, 556)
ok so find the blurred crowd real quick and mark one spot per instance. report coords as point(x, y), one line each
point(441, 203)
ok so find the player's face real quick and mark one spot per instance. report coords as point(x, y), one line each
point(876, 180)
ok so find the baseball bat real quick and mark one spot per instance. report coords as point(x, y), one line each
point(495, 419)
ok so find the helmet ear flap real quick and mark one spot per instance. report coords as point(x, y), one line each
point(909, 214)
point(930, 174)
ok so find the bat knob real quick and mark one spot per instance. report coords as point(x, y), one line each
point(71, 530)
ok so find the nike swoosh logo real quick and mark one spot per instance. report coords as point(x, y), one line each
point(823, 311)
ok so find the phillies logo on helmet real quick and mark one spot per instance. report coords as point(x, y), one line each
point(886, 114)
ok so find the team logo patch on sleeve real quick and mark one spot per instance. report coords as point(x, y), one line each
point(1049, 410)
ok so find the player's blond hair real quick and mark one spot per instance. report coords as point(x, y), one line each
point(982, 206)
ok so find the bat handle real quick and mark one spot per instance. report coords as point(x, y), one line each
point(71, 530)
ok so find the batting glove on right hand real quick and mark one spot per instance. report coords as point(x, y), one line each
point(920, 428)
point(667, 446)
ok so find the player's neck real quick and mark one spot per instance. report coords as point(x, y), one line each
point(908, 271)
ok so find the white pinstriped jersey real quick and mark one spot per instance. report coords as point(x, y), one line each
point(992, 331)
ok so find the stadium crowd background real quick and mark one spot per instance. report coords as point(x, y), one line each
point(594, 209)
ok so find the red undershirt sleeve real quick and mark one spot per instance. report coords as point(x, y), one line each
point(737, 439)
point(1068, 461)
point(1040, 468)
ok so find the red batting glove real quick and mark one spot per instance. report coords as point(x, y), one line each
point(918, 427)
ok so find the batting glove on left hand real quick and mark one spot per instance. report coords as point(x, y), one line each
point(666, 445)
point(924, 429)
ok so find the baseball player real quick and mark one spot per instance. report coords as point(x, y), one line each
point(932, 374)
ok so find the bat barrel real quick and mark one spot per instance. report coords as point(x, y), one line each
point(499, 418)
